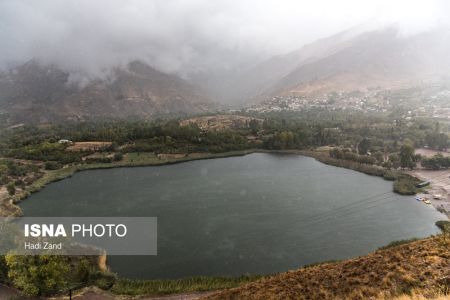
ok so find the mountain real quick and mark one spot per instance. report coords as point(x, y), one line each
point(259, 79)
point(352, 60)
point(38, 93)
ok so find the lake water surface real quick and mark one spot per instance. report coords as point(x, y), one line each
point(257, 214)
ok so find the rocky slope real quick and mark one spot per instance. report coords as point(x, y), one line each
point(349, 61)
point(37, 93)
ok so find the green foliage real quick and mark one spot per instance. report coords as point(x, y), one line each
point(43, 275)
point(11, 188)
point(283, 140)
point(407, 156)
point(3, 270)
point(390, 175)
point(118, 156)
point(103, 280)
point(163, 287)
point(97, 160)
point(52, 165)
point(406, 185)
point(394, 160)
point(38, 275)
point(437, 140)
point(45, 151)
point(444, 226)
point(436, 162)
point(398, 243)
point(3, 169)
point(347, 155)
point(348, 164)
point(364, 146)
point(254, 126)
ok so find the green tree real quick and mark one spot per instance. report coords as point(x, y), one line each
point(379, 156)
point(118, 156)
point(11, 188)
point(364, 146)
point(407, 156)
point(39, 274)
point(254, 126)
point(3, 169)
point(395, 161)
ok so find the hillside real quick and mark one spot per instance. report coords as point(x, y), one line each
point(349, 61)
point(422, 267)
point(37, 93)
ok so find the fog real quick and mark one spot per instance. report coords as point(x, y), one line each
point(88, 38)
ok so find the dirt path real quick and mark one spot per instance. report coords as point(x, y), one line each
point(7, 293)
point(93, 293)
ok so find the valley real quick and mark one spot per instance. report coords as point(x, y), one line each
point(287, 150)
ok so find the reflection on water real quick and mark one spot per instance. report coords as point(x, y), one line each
point(261, 213)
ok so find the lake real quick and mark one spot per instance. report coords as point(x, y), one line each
point(255, 214)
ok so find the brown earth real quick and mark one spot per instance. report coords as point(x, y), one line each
point(221, 122)
point(88, 146)
point(422, 266)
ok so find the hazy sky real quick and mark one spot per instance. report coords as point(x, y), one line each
point(88, 37)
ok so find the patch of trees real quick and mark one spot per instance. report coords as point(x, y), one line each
point(52, 165)
point(346, 154)
point(46, 151)
point(283, 130)
point(437, 140)
point(436, 162)
point(11, 171)
point(406, 158)
point(45, 275)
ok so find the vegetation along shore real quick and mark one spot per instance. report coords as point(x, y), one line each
point(34, 156)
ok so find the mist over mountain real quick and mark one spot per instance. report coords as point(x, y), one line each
point(381, 59)
point(34, 92)
point(109, 58)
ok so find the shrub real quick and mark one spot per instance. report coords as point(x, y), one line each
point(398, 243)
point(11, 188)
point(38, 275)
point(405, 185)
point(53, 165)
point(4, 180)
point(444, 226)
point(103, 280)
point(118, 156)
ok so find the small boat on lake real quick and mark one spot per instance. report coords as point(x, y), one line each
point(423, 184)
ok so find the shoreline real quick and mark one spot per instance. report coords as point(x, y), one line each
point(9, 207)
point(68, 171)
point(439, 186)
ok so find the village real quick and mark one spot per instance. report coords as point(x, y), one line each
point(429, 102)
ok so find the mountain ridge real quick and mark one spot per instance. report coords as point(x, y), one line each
point(40, 93)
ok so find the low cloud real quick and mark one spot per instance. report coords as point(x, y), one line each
point(90, 37)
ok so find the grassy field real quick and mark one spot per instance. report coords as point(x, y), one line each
point(177, 286)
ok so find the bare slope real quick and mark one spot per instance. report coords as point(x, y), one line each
point(38, 93)
point(352, 60)
point(422, 266)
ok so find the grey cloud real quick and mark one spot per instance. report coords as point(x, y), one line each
point(90, 37)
